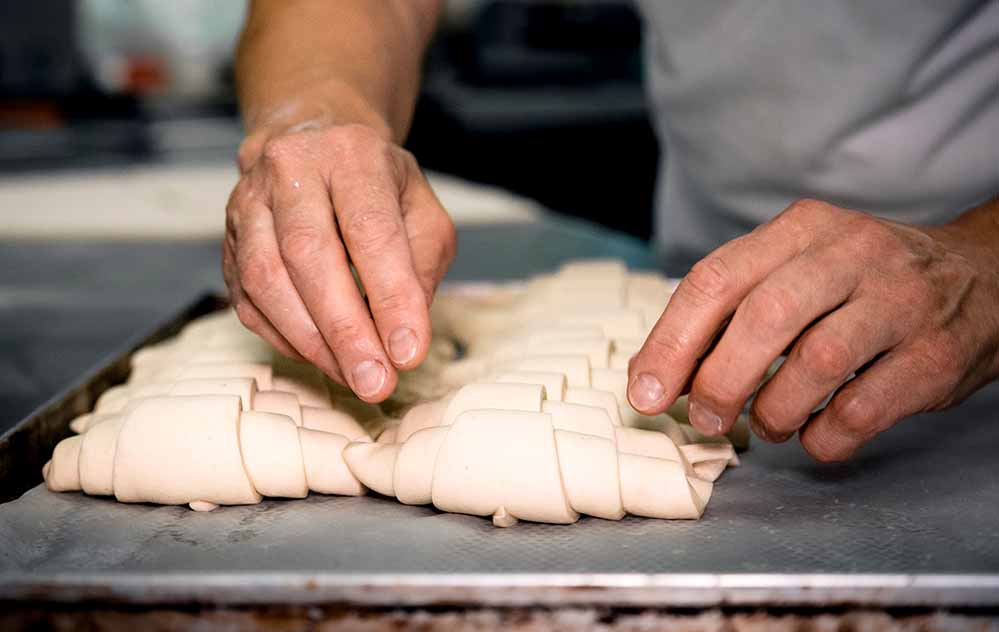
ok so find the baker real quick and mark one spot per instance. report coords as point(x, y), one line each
point(835, 164)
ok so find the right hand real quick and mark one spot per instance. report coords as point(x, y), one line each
point(310, 202)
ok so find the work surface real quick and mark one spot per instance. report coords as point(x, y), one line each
point(67, 305)
point(922, 500)
point(911, 520)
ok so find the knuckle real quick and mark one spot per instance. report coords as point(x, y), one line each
point(236, 196)
point(824, 450)
point(855, 413)
point(257, 274)
point(391, 301)
point(945, 359)
point(371, 231)
point(710, 279)
point(873, 236)
point(229, 275)
point(278, 149)
point(226, 250)
point(247, 315)
point(825, 358)
point(807, 208)
point(231, 223)
point(798, 221)
point(301, 245)
point(249, 151)
point(710, 386)
point(246, 155)
point(876, 229)
point(342, 330)
point(774, 424)
point(665, 345)
point(313, 348)
point(236, 205)
point(448, 238)
point(407, 161)
point(770, 308)
point(354, 139)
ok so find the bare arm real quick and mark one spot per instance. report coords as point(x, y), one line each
point(327, 90)
point(348, 61)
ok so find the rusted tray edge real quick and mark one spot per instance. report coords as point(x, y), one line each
point(512, 590)
point(25, 447)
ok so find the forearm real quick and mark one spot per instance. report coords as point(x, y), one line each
point(348, 61)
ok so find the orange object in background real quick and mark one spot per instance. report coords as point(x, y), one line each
point(144, 75)
point(31, 114)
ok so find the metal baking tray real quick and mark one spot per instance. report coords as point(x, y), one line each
point(26, 446)
point(913, 520)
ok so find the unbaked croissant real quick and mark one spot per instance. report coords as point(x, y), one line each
point(506, 451)
point(202, 451)
point(113, 403)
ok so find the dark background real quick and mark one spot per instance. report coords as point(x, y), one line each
point(542, 97)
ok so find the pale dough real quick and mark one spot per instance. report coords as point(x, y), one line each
point(505, 450)
point(532, 423)
point(112, 403)
point(202, 450)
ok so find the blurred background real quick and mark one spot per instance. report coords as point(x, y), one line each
point(542, 98)
point(119, 130)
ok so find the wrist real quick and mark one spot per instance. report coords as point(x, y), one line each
point(321, 105)
point(975, 235)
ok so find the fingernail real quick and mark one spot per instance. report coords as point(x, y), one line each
point(369, 376)
point(402, 345)
point(756, 426)
point(646, 391)
point(761, 431)
point(703, 418)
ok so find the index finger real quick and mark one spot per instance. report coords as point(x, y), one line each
point(704, 300)
point(310, 248)
point(366, 200)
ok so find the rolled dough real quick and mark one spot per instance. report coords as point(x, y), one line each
point(532, 423)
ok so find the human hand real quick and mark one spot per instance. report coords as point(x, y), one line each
point(912, 310)
point(313, 199)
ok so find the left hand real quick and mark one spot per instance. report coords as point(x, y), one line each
point(913, 311)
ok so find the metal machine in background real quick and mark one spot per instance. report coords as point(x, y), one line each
point(90, 83)
point(542, 97)
point(38, 49)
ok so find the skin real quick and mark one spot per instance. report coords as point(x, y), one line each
point(912, 310)
point(324, 185)
point(327, 91)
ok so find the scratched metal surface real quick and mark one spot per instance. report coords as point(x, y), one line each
point(913, 519)
point(920, 504)
point(923, 499)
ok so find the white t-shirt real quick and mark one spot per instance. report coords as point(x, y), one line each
point(885, 106)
